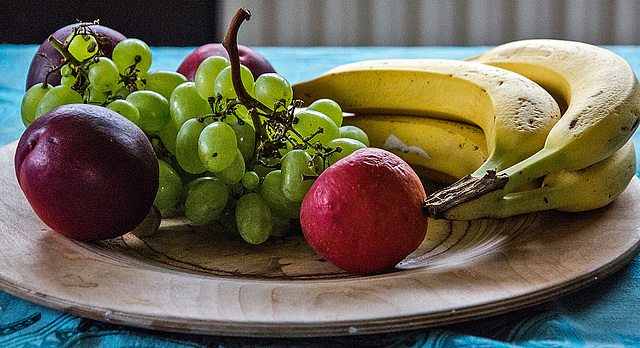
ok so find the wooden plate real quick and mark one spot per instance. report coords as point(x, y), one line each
point(202, 280)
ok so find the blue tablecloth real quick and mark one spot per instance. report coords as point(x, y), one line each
point(605, 314)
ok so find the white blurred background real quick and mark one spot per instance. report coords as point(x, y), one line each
point(431, 22)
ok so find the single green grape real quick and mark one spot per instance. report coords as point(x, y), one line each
point(185, 103)
point(93, 96)
point(271, 192)
point(186, 188)
point(163, 82)
point(233, 173)
point(295, 164)
point(168, 135)
point(281, 225)
point(66, 70)
point(223, 84)
point(272, 88)
point(83, 46)
point(126, 109)
point(329, 108)
point(308, 123)
point(254, 219)
point(30, 102)
point(57, 96)
point(250, 180)
point(187, 146)
point(206, 75)
point(354, 132)
point(205, 200)
point(347, 146)
point(68, 80)
point(129, 51)
point(121, 93)
point(217, 146)
point(246, 137)
point(153, 108)
point(169, 188)
point(104, 76)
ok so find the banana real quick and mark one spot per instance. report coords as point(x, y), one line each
point(579, 190)
point(603, 110)
point(515, 113)
point(442, 147)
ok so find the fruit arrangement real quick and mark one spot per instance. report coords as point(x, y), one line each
point(557, 116)
point(528, 126)
point(232, 145)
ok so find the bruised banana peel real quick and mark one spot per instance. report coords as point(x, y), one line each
point(452, 148)
point(515, 113)
point(602, 95)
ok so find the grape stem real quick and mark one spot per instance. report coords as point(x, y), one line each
point(230, 43)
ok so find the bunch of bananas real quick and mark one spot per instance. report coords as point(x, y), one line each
point(528, 126)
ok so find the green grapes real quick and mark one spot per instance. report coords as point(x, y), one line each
point(234, 172)
point(30, 102)
point(185, 103)
point(82, 46)
point(163, 82)
point(354, 132)
point(205, 200)
point(213, 164)
point(168, 135)
point(153, 108)
point(126, 109)
point(254, 218)
point(93, 96)
point(187, 146)
point(271, 88)
point(347, 146)
point(217, 146)
point(250, 180)
point(57, 96)
point(271, 192)
point(169, 188)
point(129, 52)
point(223, 84)
point(104, 76)
point(308, 124)
point(329, 108)
point(246, 137)
point(206, 75)
point(295, 164)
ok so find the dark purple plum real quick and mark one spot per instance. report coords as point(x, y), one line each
point(87, 172)
point(48, 57)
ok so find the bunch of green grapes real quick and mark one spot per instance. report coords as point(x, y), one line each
point(220, 161)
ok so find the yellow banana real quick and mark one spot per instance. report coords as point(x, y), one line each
point(579, 190)
point(603, 110)
point(442, 147)
point(515, 113)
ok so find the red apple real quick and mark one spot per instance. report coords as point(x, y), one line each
point(48, 57)
point(248, 57)
point(364, 213)
point(87, 172)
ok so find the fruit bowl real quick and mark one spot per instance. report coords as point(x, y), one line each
point(184, 279)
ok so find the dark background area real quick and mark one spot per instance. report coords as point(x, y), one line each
point(158, 23)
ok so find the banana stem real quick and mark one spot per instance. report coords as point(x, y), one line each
point(493, 187)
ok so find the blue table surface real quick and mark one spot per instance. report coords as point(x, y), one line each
point(603, 315)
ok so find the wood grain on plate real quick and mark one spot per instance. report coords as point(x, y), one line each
point(185, 279)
